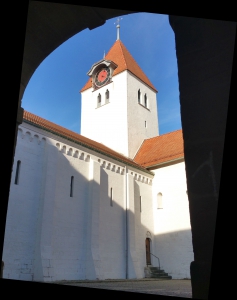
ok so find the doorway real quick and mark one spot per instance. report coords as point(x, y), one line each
point(148, 251)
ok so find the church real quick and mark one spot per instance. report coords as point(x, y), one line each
point(109, 203)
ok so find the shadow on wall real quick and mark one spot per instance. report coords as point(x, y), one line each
point(54, 233)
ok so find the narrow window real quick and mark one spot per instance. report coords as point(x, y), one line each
point(17, 172)
point(145, 123)
point(111, 197)
point(159, 201)
point(145, 100)
point(139, 96)
point(99, 100)
point(140, 203)
point(71, 186)
point(107, 96)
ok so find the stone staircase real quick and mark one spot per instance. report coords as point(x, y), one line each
point(154, 272)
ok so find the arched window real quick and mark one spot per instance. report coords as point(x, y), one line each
point(111, 197)
point(139, 96)
point(159, 201)
point(17, 172)
point(145, 100)
point(99, 100)
point(71, 186)
point(107, 96)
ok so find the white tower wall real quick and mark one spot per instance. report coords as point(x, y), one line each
point(120, 124)
point(107, 124)
point(142, 121)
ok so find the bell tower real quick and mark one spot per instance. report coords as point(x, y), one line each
point(119, 107)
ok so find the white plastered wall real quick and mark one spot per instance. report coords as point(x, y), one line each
point(23, 207)
point(172, 229)
point(52, 236)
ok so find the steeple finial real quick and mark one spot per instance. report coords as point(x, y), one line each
point(118, 26)
point(104, 54)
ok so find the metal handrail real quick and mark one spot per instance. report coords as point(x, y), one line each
point(157, 258)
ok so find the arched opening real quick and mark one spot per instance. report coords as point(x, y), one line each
point(159, 201)
point(99, 100)
point(148, 251)
point(107, 96)
point(139, 96)
point(179, 39)
point(145, 100)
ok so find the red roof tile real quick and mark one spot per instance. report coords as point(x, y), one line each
point(84, 141)
point(121, 56)
point(160, 149)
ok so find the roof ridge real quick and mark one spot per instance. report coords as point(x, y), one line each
point(137, 65)
point(63, 128)
point(166, 156)
point(120, 44)
point(160, 148)
point(78, 138)
point(163, 134)
point(125, 61)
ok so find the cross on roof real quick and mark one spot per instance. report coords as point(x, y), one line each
point(117, 21)
point(118, 26)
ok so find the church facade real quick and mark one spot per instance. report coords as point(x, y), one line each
point(108, 202)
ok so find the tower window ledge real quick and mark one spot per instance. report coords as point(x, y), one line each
point(144, 106)
point(102, 105)
point(95, 88)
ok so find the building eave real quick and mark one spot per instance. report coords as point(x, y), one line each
point(165, 163)
point(136, 166)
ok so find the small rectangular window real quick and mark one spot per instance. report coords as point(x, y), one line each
point(111, 197)
point(17, 172)
point(145, 123)
point(71, 186)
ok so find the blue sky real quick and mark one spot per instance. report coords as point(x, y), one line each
point(53, 91)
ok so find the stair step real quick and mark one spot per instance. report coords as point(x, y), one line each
point(157, 271)
point(154, 268)
point(154, 272)
point(161, 277)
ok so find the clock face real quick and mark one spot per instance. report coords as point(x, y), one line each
point(102, 77)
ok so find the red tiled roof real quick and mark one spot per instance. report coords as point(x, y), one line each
point(121, 56)
point(68, 134)
point(160, 149)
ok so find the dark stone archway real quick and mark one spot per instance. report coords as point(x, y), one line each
point(204, 52)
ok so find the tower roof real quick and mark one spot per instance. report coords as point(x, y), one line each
point(119, 54)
